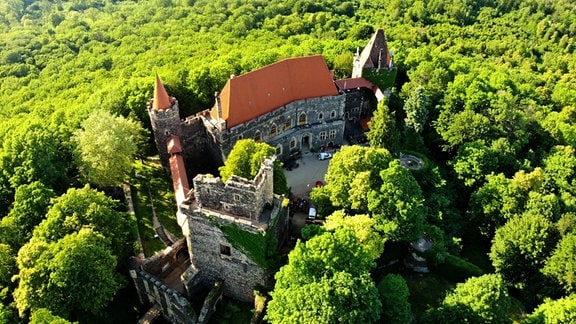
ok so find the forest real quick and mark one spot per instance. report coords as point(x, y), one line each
point(485, 94)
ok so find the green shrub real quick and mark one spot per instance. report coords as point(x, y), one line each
point(457, 269)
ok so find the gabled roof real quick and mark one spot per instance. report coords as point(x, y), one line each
point(161, 99)
point(256, 93)
point(376, 54)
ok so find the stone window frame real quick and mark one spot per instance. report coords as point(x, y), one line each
point(257, 136)
point(320, 116)
point(279, 149)
point(240, 137)
point(225, 249)
point(236, 197)
point(288, 123)
point(322, 135)
point(333, 114)
point(332, 134)
point(273, 130)
point(293, 143)
point(302, 119)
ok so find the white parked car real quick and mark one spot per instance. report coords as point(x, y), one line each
point(324, 156)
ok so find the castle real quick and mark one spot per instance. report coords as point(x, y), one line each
point(293, 105)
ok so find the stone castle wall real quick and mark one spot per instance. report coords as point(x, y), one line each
point(165, 123)
point(238, 196)
point(219, 260)
point(322, 115)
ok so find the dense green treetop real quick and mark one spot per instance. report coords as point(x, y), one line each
point(245, 160)
point(331, 273)
point(86, 207)
point(394, 294)
point(72, 277)
point(482, 299)
point(352, 172)
point(558, 311)
point(106, 147)
point(499, 77)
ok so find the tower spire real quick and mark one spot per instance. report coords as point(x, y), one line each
point(161, 99)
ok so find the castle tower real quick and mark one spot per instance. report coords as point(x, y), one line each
point(165, 118)
point(374, 63)
point(375, 56)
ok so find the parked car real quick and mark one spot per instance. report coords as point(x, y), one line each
point(324, 156)
point(311, 213)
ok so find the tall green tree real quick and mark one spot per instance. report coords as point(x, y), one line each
point(32, 152)
point(352, 172)
point(331, 273)
point(481, 299)
point(394, 294)
point(245, 161)
point(557, 311)
point(44, 316)
point(72, 276)
point(416, 108)
point(30, 205)
point(473, 162)
point(106, 147)
point(397, 205)
point(362, 226)
point(562, 263)
point(86, 207)
point(7, 267)
point(521, 247)
point(383, 132)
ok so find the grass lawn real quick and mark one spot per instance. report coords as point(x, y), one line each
point(153, 179)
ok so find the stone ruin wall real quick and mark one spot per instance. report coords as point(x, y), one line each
point(146, 276)
point(238, 196)
point(201, 153)
point(240, 275)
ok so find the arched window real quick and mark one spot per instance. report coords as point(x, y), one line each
point(288, 124)
point(257, 136)
point(292, 143)
point(333, 114)
point(320, 116)
point(273, 130)
point(279, 149)
point(302, 119)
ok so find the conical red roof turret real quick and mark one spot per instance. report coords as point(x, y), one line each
point(161, 99)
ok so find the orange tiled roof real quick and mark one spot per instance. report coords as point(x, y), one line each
point(354, 83)
point(161, 99)
point(250, 95)
point(178, 170)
